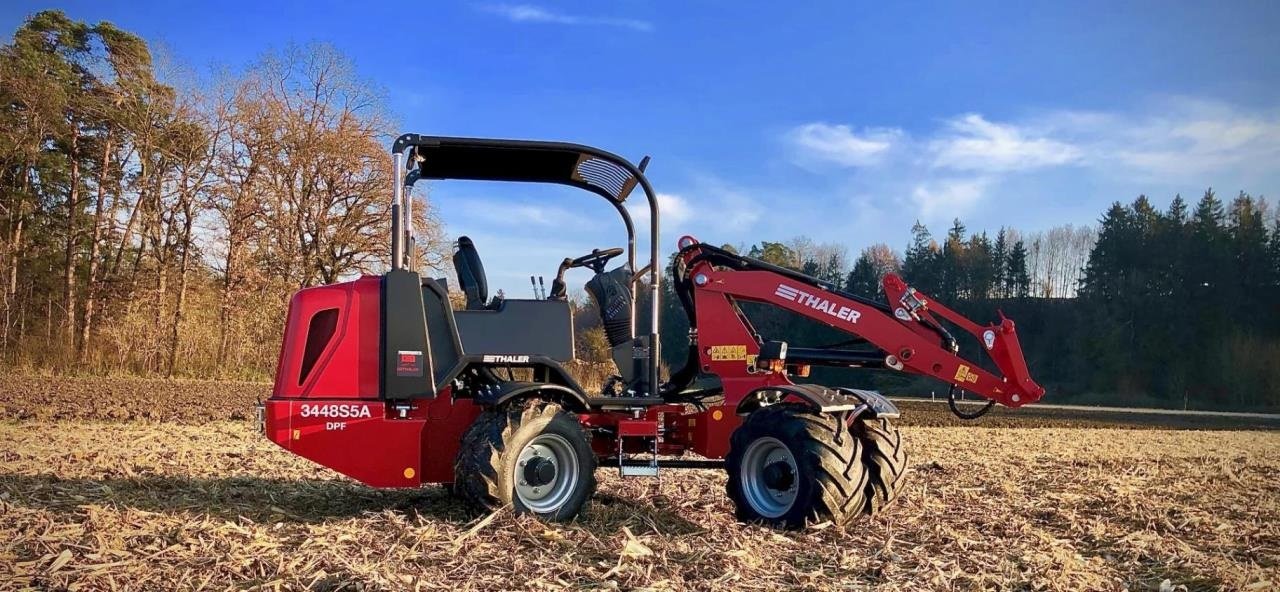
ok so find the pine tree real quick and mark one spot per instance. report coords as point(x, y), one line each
point(831, 272)
point(1248, 237)
point(1209, 238)
point(999, 260)
point(920, 266)
point(980, 267)
point(1105, 274)
point(1017, 281)
point(863, 280)
point(1274, 251)
point(954, 271)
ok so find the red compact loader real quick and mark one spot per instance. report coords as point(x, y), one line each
point(381, 379)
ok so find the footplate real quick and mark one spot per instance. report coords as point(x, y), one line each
point(630, 466)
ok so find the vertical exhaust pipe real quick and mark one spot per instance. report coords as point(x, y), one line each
point(397, 197)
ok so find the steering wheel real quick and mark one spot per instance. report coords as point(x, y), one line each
point(596, 259)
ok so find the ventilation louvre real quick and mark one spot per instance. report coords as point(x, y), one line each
point(607, 176)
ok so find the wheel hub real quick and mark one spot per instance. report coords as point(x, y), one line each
point(778, 476)
point(539, 471)
point(769, 477)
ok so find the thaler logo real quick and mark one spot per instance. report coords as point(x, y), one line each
point(506, 359)
point(816, 302)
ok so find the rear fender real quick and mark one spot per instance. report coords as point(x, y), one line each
point(500, 394)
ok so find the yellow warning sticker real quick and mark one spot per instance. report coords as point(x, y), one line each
point(728, 353)
point(963, 374)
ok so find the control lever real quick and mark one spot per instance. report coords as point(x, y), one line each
point(559, 291)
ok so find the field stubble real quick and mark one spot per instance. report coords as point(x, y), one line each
point(144, 504)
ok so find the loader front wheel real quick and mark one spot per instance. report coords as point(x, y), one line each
point(886, 460)
point(534, 457)
point(788, 464)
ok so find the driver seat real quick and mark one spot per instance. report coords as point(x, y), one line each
point(466, 261)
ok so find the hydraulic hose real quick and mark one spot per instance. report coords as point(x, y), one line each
point(951, 402)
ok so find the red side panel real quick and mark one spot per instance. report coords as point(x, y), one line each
point(353, 437)
point(369, 441)
point(343, 364)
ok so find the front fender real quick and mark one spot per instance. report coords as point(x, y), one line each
point(825, 400)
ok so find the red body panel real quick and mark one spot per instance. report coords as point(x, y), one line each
point(369, 441)
point(368, 447)
point(347, 366)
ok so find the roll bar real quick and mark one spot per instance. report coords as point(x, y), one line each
point(481, 159)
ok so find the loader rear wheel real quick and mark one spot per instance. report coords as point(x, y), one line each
point(534, 457)
point(788, 464)
point(886, 460)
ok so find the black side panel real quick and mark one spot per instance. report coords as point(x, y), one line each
point(406, 356)
point(529, 327)
point(442, 330)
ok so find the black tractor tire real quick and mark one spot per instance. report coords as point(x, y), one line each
point(885, 457)
point(489, 466)
point(829, 479)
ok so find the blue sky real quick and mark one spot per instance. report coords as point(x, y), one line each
point(840, 121)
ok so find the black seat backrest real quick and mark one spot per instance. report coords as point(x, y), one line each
point(443, 341)
point(471, 278)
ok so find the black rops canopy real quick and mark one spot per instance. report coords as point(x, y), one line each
point(597, 171)
point(605, 174)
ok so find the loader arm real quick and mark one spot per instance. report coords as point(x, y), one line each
point(905, 331)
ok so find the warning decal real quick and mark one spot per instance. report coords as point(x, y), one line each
point(728, 353)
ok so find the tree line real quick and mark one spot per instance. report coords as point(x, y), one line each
point(152, 221)
point(1173, 308)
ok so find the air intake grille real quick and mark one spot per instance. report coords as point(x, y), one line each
point(613, 179)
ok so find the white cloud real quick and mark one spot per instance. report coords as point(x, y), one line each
point(529, 13)
point(950, 170)
point(838, 144)
point(945, 199)
point(673, 209)
point(710, 206)
point(972, 143)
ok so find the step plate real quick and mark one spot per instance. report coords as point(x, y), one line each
point(639, 471)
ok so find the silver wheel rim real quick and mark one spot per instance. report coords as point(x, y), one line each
point(549, 450)
point(768, 497)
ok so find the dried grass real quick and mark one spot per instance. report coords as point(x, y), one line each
point(139, 505)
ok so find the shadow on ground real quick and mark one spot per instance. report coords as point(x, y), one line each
point(306, 501)
point(255, 498)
